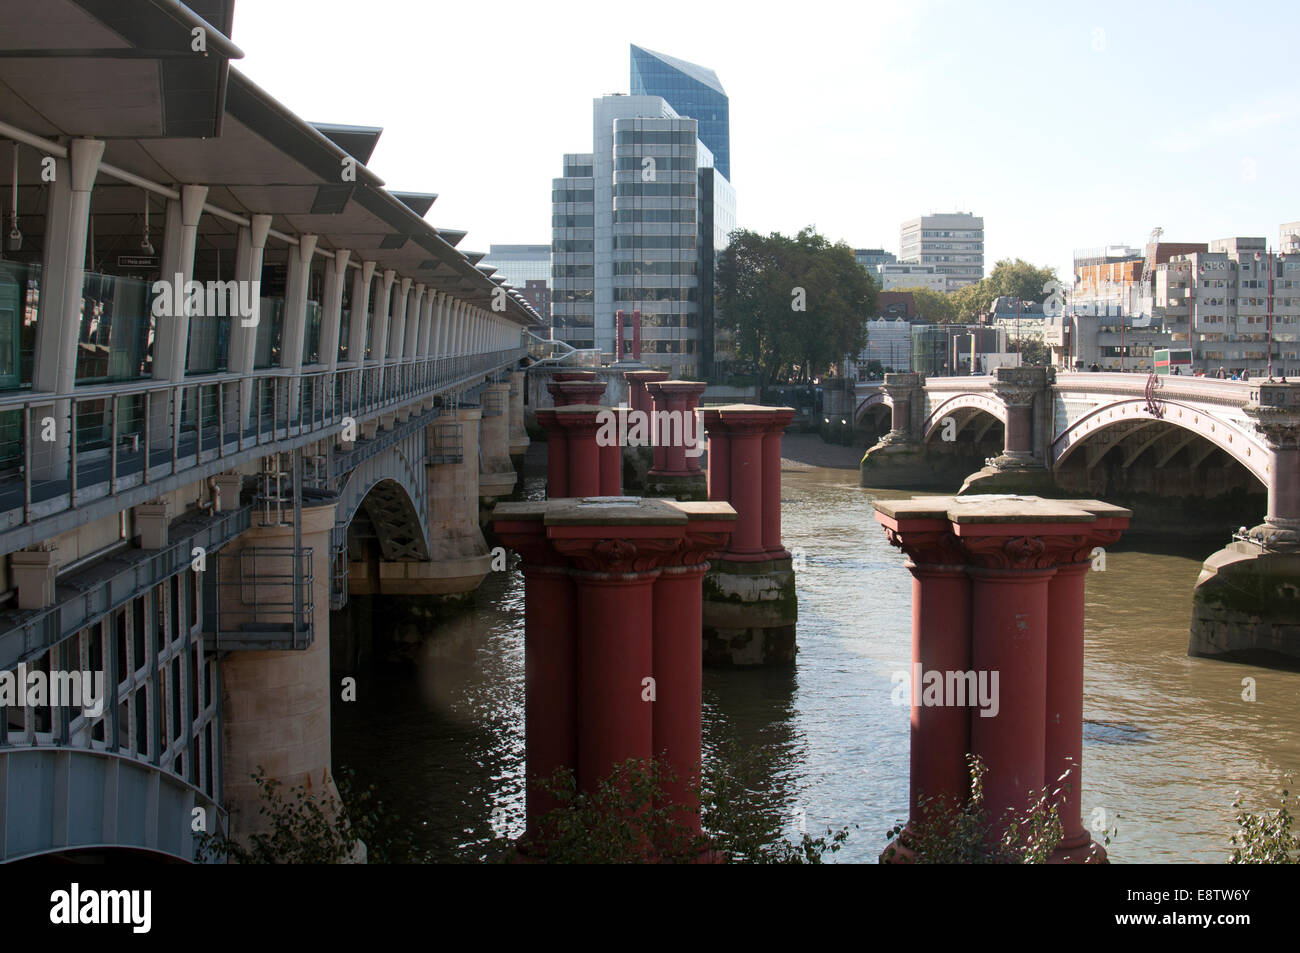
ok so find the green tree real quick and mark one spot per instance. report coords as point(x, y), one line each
point(797, 305)
point(1031, 351)
point(1019, 279)
point(932, 307)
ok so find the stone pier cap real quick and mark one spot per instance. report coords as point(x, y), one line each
point(1000, 515)
point(597, 516)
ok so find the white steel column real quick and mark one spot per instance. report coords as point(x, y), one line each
point(295, 314)
point(336, 272)
point(249, 252)
point(171, 333)
point(379, 340)
point(63, 270)
point(361, 279)
point(415, 317)
point(397, 334)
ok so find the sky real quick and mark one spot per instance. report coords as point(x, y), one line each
point(1064, 126)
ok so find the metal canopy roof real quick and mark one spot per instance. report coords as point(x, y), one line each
point(130, 89)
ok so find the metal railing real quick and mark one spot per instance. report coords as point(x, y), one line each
point(553, 351)
point(259, 598)
point(60, 451)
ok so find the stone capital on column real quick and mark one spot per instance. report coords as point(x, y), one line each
point(568, 392)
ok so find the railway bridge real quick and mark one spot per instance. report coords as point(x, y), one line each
point(240, 380)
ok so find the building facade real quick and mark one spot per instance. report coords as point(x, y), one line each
point(872, 258)
point(693, 92)
point(528, 270)
point(1222, 303)
point(907, 275)
point(953, 243)
point(637, 225)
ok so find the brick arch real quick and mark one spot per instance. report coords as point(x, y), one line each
point(1246, 448)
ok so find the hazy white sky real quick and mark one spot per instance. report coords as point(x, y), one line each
point(1062, 125)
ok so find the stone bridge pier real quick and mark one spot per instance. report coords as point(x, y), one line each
point(1246, 605)
point(496, 478)
point(519, 441)
point(997, 442)
point(276, 704)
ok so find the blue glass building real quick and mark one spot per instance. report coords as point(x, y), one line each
point(694, 92)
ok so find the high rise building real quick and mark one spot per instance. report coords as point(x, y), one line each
point(694, 92)
point(953, 243)
point(528, 269)
point(637, 225)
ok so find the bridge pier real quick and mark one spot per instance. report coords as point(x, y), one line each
point(676, 470)
point(997, 613)
point(750, 602)
point(496, 478)
point(1246, 605)
point(276, 704)
point(612, 670)
point(1022, 466)
point(900, 459)
point(519, 441)
point(637, 461)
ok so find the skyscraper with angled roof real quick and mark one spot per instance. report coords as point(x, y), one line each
point(694, 92)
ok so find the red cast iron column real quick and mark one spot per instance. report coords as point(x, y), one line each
point(557, 455)
point(772, 483)
point(678, 600)
point(581, 423)
point(550, 654)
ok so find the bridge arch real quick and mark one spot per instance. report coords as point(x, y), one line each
point(1133, 415)
point(963, 408)
point(872, 405)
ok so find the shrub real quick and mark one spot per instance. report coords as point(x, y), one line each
point(944, 833)
point(1265, 837)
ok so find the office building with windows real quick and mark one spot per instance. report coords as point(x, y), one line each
point(693, 92)
point(528, 270)
point(953, 243)
point(637, 224)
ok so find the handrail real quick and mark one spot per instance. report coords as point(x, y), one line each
point(133, 433)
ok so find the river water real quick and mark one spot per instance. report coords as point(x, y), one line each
point(1168, 740)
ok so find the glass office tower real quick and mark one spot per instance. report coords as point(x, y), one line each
point(693, 92)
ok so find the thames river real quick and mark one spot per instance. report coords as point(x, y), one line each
point(1168, 740)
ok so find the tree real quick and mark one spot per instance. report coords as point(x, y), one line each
point(1019, 279)
point(1012, 278)
point(932, 307)
point(1032, 351)
point(797, 304)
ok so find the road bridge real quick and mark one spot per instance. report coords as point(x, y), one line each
point(1172, 448)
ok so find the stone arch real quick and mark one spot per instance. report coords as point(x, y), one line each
point(964, 408)
point(873, 400)
point(1245, 448)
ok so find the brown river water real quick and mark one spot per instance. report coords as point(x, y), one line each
point(1168, 740)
